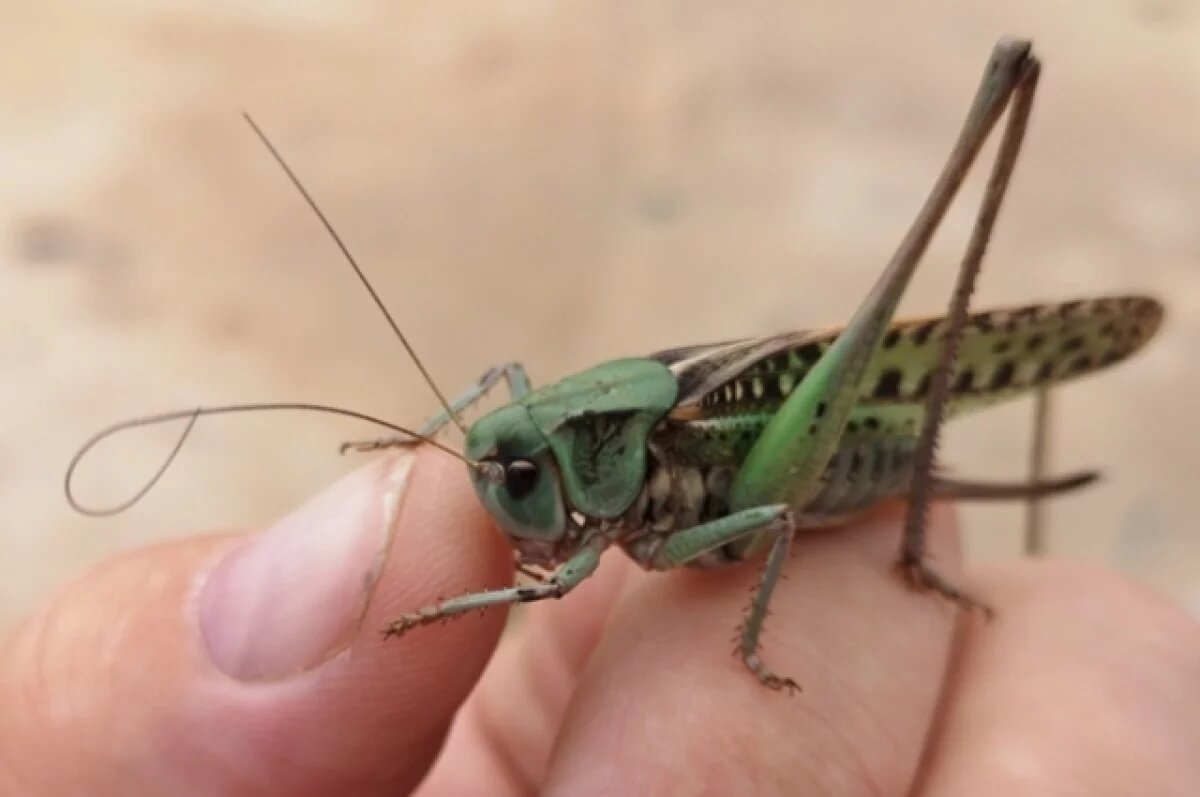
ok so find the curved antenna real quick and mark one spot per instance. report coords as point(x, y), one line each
point(337, 239)
point(193, 415)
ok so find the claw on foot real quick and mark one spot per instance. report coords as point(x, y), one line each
point(398, 628)
point(923, 578)
point(779, 683)
point(406, 623)
point(767, 678)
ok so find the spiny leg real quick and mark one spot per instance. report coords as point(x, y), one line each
point(573, 572)
point(775, 521)
point(789, 457)
point(518, 386)
point(753, 626)
point(913, 563)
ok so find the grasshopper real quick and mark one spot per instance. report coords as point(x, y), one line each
point(713, 455)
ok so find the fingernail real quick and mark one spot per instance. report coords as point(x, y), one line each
point(294, 594)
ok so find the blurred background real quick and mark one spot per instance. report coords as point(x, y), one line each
point(558, 183)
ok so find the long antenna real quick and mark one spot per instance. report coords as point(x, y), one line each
point(337, 239)
point(194, 414)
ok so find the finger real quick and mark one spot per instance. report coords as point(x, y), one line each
point(238, 666)
point(662, 707)
point(1085, 684)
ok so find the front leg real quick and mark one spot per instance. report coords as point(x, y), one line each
point(518, 386)
point(573, 572)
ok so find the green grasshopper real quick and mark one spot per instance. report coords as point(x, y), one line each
point(712, 455)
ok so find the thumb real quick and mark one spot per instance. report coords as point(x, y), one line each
point(254, 665)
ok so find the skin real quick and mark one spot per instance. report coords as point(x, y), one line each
point(1084, 684)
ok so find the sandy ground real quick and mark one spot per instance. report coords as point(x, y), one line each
point(559, 183)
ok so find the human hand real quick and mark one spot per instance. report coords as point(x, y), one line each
point(226, 665)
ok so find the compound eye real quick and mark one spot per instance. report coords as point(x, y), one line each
point(520, 478)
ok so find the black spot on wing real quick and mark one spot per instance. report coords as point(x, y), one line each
point(921, 334)
point(923, 385)
point(1074, 343)
point(809, 353)
point(1067, 308)
point(1003, 375)
point(888, 386)
point(984, 322)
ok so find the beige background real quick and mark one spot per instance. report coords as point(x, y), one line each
point(559, 182)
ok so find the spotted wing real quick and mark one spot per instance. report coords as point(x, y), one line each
point(1002, 354)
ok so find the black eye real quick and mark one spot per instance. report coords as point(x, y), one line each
point(520, 477)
